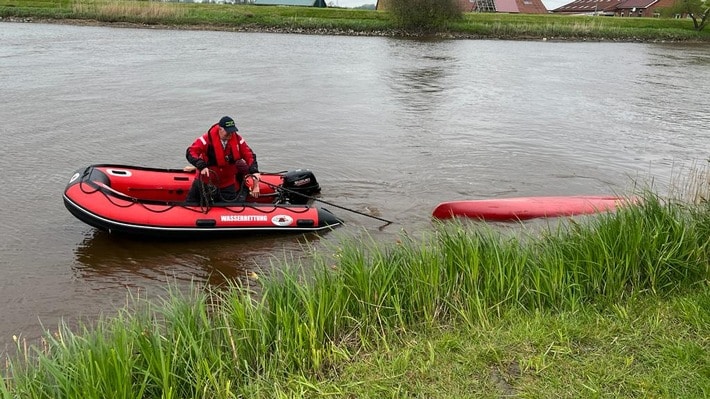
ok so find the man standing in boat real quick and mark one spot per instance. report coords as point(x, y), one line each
point(217, 155)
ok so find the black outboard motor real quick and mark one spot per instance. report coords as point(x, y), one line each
point(300, 185)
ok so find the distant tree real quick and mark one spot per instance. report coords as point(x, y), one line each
point(697, 10)
point(423, 14)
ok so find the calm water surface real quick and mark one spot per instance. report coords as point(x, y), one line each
point(390, 127)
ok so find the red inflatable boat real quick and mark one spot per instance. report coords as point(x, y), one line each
point(150, 202)
point(521, 208)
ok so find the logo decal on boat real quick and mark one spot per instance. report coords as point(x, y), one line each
point(282, 220)
point(302, 181)
point(76, 176)
point(243, 218)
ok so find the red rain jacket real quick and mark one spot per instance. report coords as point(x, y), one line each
point(203, 153)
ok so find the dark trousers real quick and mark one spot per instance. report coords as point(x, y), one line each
point(198, 190)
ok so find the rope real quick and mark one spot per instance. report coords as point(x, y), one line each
point(207, 191)
point(388, 222)
point(104, 190)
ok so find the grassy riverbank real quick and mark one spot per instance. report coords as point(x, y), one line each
point(609, 306)
point(344, 21)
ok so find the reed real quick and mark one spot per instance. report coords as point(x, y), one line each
point(691, 183)
point(147, 12)
point(226, 343)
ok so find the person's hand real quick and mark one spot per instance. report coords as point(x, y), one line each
point(255, 185)
point(205, 172)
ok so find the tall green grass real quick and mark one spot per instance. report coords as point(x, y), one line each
point(214, 343)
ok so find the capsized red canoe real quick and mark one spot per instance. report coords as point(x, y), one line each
point(522, 208)
point(151, 202)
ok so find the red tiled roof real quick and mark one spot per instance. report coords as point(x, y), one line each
point(531, 7)
point(637, 4)
point(589, 6)
point(519, 6)
point(506, 6)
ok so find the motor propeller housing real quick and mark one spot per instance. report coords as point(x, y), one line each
point(300, 186)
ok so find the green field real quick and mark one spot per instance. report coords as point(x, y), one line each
point(350, 21)
point(614, 305)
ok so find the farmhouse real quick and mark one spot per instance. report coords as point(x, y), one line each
point(505, 6)
point(619, 8)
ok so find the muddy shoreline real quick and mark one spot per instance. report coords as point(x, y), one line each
point(321, 31)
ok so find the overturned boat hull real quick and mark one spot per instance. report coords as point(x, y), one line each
point(522, 208)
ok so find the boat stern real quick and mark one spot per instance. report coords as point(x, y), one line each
point(327, 219)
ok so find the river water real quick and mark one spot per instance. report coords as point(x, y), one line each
point(390, 127)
